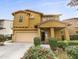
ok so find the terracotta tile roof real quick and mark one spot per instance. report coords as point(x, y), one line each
point(50, 15)
point(5, 20)
point(34, 11)
point(18, 12)
point(75, 18)
point(51, 20)
point(24, 11)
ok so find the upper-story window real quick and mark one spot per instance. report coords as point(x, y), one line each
point(47, 18)
point(31, 17)
point(20, 18)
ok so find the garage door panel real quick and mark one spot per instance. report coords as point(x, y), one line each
point(25, 37)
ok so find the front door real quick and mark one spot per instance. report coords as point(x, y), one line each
point(42, 36)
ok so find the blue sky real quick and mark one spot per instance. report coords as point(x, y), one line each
point(45, 6)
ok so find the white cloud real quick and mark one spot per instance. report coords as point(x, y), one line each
point(44, 4)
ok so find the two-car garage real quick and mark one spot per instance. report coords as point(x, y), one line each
point(25, 36)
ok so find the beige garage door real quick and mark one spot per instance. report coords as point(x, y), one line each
point(25, 37)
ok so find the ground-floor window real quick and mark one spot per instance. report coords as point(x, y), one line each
point(73, 37)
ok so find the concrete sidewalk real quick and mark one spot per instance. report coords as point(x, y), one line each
point(13, 50)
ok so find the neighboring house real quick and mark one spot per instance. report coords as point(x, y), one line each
point(5, 27)
point(28, 24)
point(73, 26)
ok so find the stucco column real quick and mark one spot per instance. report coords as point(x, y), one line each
point(52, 32)
point(66, 34)
point(58, 35)
point(39, 32)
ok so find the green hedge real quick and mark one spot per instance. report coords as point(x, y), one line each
point(75, 42)
point(62, 44)
point(53, 43)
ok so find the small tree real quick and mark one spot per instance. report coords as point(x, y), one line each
point(37, 41)
point(2, 38)
point(73, 3)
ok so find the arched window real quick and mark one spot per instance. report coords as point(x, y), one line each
point(20, 18)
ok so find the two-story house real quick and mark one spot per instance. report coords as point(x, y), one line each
point(28, 24)
point(5, 27)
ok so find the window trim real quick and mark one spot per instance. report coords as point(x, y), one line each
point(20, 18)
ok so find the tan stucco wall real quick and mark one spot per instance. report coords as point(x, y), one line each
point(36, 20)
point(58, 35)
point(25, 22)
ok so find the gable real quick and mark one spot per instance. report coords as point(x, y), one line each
point(36, 18)
point(21, 19)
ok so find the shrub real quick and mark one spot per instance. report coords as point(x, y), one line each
point(53, 43)
point(72, 52)
point(39, 53)
point(9, 38)
point(2, 38)
point(62, 45)
point(68, 43)
point(73, 43)
point(37, 41)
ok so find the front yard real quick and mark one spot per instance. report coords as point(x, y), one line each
point(54, 50)
point(44, 53)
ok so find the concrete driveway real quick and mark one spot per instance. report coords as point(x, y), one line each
point(13, 50)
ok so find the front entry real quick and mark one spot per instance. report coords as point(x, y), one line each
point(42, 36)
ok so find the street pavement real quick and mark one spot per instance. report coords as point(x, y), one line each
point(13, 50)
